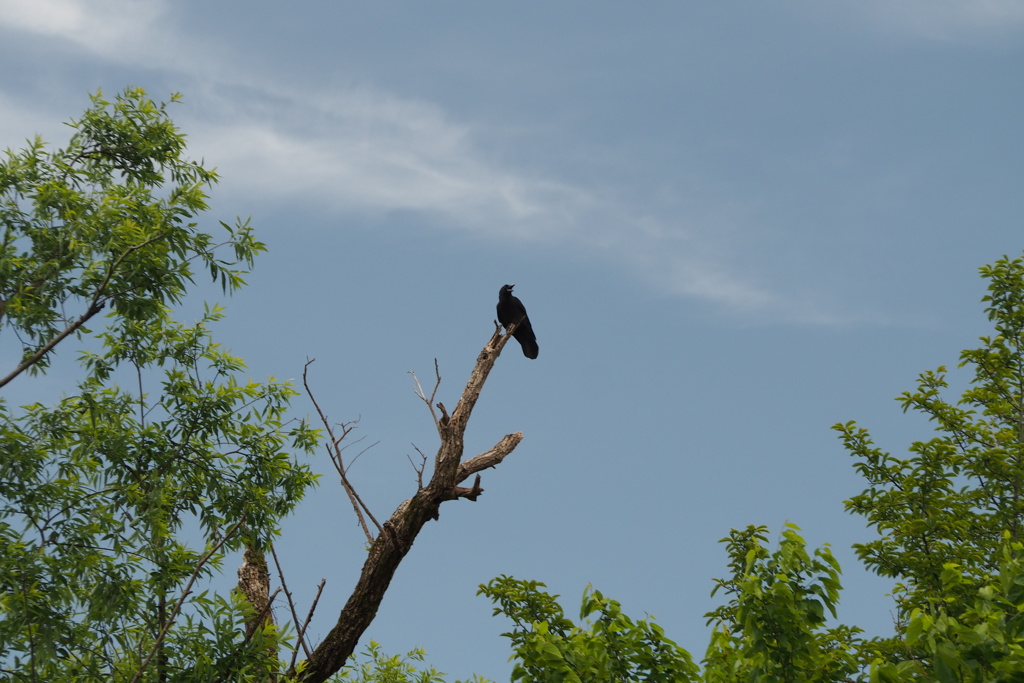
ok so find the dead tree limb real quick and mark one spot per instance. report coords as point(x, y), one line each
point(423, 397)
point(399, 532)
point(301, 630)
point(334, 449)
point(254, 583)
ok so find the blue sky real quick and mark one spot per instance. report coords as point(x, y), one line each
point(733, 226)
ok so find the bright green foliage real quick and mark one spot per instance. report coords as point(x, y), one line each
point(119, 498)
point(771, 629)
point(773, 626)
point(980, 639)
point(952, 499)
point(381, 668)
point(945, 511)
point(950, 518)
point(106, 221)
point(607, 647)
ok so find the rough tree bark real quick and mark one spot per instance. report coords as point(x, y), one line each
point(399, 532)
point(254, 583)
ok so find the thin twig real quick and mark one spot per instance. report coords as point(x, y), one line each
point(309, 617)
point(334, 451)
point(357, 455)
point(423, 397)
point(288, 597)
point(259, 618)
point(419, 470)
point(433, 394)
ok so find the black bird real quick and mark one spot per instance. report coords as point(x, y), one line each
point(510, 311)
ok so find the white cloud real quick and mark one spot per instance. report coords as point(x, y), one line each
point(110, 28)
point(358, 149)
point(947, 20)
point(365, 151)
point(362, 150)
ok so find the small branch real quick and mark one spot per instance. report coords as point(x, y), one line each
point(305, 624)
point(334, 451)
point(423, 397)
point(264, 613)
point(120, 259)
point(359, 454)
point(489, 458)
point(422, 466)
point(472, 493)
point(93, 309)
point(350, 490)
point(158, 643)
point(291, 603)
point(95, 306)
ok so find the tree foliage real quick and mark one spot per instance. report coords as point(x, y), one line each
point(773, 627)
point(951, 507)
point(120, 498)
point(949, 519)
point(608, 646)
point(972, 630)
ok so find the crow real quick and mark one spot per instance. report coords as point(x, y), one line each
point(511, 311)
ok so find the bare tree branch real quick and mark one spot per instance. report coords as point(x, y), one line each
point(419, 468)
point(309, 617)
point(489, 458)
point(399, 532)
point(334, 450)
point(423, 397)
point(291, 603)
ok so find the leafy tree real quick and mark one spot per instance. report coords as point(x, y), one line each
point(120, 499)
point(377, 667)
point(773, 626)
point(608, 647)
point(950, 518)
point(980, 638)
point(115, 502)
point(948, 506)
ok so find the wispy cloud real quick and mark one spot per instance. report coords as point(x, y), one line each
point(359, 149)
point(362, 150)
point(367, 151)
point(108, 28)
point(944, 20)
